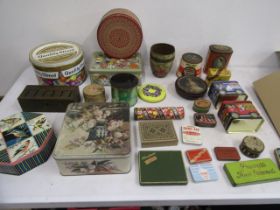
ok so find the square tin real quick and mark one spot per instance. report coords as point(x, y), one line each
point(240, 116)
point(26, 141)
point(220, 91)
point(102, 68)
point(94, 139)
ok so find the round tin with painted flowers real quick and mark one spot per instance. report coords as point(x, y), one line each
point(58, 63)
point(252, 146)
point(124, 88)
point(190, 60)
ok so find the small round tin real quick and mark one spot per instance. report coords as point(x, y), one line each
point(58, 63)
point(201, 105)
point(123, 88)
point(152, 93)
point(192, 60)
point(251, 146)
point(94, 93)
point(190, 87)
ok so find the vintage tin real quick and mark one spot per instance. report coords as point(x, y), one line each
point(191, 135)
point(119, 33)
point(215, 74)
point(152, 93)
point(203, 172)
point(204, 120)
point(218, 57)
point(190, 87)
point(26, 141)
point(159, 113)
point(201, 105)
point(58, 63)
point(198, 155)
point(189, 61)
point(94, 139)
point(277, 156)
point(240, 116)
point(220, 91)
point(251, 146)
point(94, 93)
point(102, 68)
point(227, 153)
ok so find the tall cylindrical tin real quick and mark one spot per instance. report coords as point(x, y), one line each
point(218, 57)
point(190, 61)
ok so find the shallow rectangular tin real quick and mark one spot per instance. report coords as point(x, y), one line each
point(94, 139)
point(220, 91)
point(102, 68)
point(240, 116)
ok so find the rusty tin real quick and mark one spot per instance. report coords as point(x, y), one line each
point(190, 62)
point(218, 57)
point(220, 91)
point(240, 116)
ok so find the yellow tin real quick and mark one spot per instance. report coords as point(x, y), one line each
point(215, 74)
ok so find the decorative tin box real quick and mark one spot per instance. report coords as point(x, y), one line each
point(26, 141)
point(41, 98)
point(215, 74)
point(94, 139)
point(226, 91)
point(240, 116)
point(102, 68)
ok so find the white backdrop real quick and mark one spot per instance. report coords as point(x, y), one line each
point(250, 27)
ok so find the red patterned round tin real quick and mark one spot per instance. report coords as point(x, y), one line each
point(119, 33)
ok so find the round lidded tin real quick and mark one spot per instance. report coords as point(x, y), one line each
point(190, 87)
point(218, 57)
point(94, 93)
point(251, 146)
point(152, 93)
point(123, 88)
point(201, 105)
point(192, 60)
point(58, 63)
point(119, 33)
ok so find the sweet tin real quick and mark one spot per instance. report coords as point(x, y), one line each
point(204, 120)
point(159, 113)
point(220, 91)
point(26, 141)
point(94, 139)
point(226, 153)
point(203, 172)
point(189, 60)
point(102, 68)
point(198, 155)
point(191, 135)
point(251, 146)
point(215, 74)
point(240, 116)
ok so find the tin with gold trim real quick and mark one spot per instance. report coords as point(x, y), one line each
point(190, 61)
point(240, 116)
point(58, 63)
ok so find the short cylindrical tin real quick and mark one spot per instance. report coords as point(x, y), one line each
point(190, 60)
point(218, 57)
point(94, 93)
point(159, 113)
point(58, 63)
point(152, 93)
point(124, 88)
point(201, 105)
point(252, 146)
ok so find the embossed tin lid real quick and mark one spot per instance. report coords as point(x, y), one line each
point(56, 54)
point(192, 58)
point(92, 130)
point(220, 48)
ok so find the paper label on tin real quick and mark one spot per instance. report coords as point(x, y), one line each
point(47, 75)
point(74, 70)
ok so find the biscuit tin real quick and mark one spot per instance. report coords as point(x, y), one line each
point(189, 60)
point(152, 93)
point(94, 139)
point(58, 63)
point(215, 74)
point(94, 93)
point(159, 113)
point(102, 68)
point(240, 116)
point(41, 98)
point(119, 33)
point(203, 172)
point(220, 91)
point(218, 57)
point(204, 120)
point(26, 141)
point(251, 146)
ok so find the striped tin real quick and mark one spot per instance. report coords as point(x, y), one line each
point(26, 141)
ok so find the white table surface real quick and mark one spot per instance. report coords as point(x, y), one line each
point(45, 187)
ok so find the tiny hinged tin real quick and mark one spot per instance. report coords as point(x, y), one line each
point(94, 139)
point(26, 141)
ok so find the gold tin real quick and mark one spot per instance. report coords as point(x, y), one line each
point(58, 63)
point(94, 93)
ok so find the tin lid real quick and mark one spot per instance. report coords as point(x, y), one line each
point(220, 48)
point(202, 103)
point(55, 54)
point(152, 93)
point(192, 58)
point(93, 130)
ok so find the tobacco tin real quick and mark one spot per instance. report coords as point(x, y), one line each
point(198, 155)
point(226, 153)
point(205, 120)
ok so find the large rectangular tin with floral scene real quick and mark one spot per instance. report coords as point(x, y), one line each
point(94, 139)
point(102, 68)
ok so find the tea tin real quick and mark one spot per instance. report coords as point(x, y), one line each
point(119, 33)
point(26, 141)
point(159, 113)
point(94, 93)
point(201, 105)
point(251, 146)
point(240, 116)
point(58, 63)
point(204, 120)
point(215, 74)
point(220, 91)
point(152, 93)
point(190, 60)
point(218, 57)
point(102, 67)
point(94, 139)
